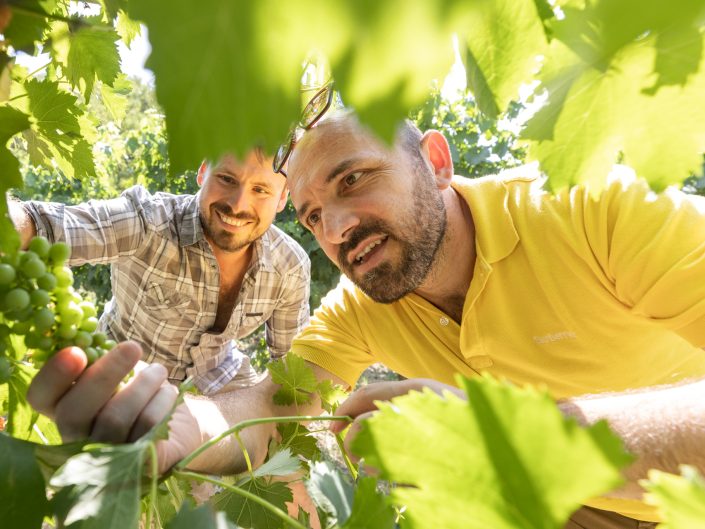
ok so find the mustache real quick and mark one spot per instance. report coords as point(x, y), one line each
point(358, 235)
point(227, 210)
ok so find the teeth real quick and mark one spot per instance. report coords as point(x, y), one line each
point(232, 222)
point(367, 250)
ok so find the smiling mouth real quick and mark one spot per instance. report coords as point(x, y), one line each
point(362, 256)
point(230, 221)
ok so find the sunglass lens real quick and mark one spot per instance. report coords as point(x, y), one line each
point(316, 107)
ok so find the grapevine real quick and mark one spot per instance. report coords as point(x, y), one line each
point(39, 305)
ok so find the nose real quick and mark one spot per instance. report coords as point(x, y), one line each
point(238, 200)
point(338, 224)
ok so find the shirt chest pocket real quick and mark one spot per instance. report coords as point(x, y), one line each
point(167, 296)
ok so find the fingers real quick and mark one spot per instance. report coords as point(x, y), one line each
point(77, 408)
point(161, 403)
point(363, 400)
point(55, 379)
point(120, 414)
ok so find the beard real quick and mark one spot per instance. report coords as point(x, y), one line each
point(223, 239)
point(419, 235)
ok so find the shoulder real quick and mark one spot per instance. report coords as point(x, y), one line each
point(285, 253)
point(161, 207)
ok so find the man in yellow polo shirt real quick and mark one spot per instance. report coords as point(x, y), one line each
point(583, 293)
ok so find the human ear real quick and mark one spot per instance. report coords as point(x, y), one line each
point(282, 198)
point(201, 173)
point(435, 149)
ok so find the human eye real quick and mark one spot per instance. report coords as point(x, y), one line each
point(260, 190)
point(313, 218)
point(352, 178)
point(227, 179)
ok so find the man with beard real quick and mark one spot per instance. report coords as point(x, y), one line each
point(190, 274)
point(447, 275)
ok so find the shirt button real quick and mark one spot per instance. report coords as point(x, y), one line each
point(444, 321)
point(480, 362)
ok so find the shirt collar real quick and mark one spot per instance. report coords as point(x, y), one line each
point(487, 197)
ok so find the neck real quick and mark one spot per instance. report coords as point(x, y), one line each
point(233, 263)
point(449, 278)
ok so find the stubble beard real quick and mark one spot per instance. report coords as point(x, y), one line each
point(420, 236)
point(222, 239)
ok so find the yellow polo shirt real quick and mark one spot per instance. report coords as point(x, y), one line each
point(576, 292)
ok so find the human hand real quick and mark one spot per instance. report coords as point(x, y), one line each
point(86, 404)
point(361, 404)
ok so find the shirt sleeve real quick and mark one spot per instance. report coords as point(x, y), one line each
point(292, 312)
point(334, 339)
point(653, 250)
point(98, 231)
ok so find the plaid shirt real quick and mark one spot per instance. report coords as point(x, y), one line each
point(165, 281)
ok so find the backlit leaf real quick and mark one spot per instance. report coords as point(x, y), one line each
point(297, 380)
point(248, 514)
point(680, 499)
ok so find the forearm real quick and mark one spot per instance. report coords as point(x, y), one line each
point(662, 427)
point(218, 413)
point(22, 221)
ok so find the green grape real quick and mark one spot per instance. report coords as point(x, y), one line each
point(99, 339)
point(40, 298)
point(64, 277)
point(44, 319)
point(12, 259)
point(21, 327)
point(89, 324)
point(66, 331)
point(47, 282)
point(40, 245)
point(16, 299)
point(7, 274)
point(88, 309)
point(71, 314)
point(32, 339)
point(45, 343)
point(109, 345)
point(83, 340)
point(59, 253)
point(91, 354)
point(4, 332)
point(5, 370)
point(34, 268)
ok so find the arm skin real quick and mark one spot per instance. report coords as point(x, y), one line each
point(84, 403)
point(22, 221)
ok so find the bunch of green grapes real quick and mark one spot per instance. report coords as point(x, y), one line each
point(38, 302)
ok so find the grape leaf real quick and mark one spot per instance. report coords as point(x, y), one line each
point(105, 486)
point(297, 380)
point(21, 417)
point(296, 437)
point(370, 509)
point(114, 97)
point(510, 448)
point(28, 25)
point(202, 517)
point(281, 463)
point(127, 28)
point(331, 395)
point(623, 79)
point(22, 491)
point(92, 54)
point(332, 493)
point(504, 39)
point(246, 513)
point(680, 499)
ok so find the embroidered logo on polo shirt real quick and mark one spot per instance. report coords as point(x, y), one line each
point(555, 337)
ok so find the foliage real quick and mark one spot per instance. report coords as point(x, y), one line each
point(681, 499)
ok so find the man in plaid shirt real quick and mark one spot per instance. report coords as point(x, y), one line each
point(190, 274)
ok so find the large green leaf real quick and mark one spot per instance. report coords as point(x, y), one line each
point(248, 514)
point(331, 491)
point(624, 79)
point(24, 500)
point(21, 416)
point(296, 437)
point(229, 78)
point(104, 484)
point(504, 39)
point(680, 499)
point(499, 457)
point(282, 463)
point(28, 22)
point(92, 54)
